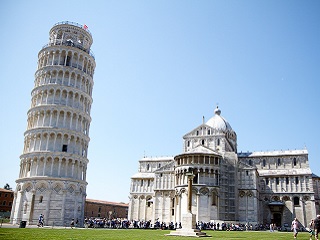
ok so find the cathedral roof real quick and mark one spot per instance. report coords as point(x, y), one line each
point(218, 122)
point(147, 175)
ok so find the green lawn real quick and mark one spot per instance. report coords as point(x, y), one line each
point(96, 234)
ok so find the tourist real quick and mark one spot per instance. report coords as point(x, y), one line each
point(295, 227)
point(72, 223)
point(317, 226)
point(311, 228)
point(41, 220)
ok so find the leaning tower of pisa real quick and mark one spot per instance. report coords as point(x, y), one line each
point(53, 165)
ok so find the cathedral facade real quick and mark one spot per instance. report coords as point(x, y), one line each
point(227, 186)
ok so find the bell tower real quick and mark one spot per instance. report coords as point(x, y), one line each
point(53, 165)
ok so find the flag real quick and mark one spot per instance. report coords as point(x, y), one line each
point(85, 27)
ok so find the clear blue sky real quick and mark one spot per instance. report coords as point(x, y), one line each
point(161, 66)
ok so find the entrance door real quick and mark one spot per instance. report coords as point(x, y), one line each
point(277, 219)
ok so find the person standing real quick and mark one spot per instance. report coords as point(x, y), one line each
point(317, 226)
point(41, 220)
point(311, 228)
point(295, 227)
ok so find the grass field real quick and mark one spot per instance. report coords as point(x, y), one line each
point(97, 234)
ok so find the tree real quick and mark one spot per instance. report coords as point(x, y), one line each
point(7, 187)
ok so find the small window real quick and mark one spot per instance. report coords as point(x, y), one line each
point(148, 182)
point(296, 201)
point(148, 167)
point(197, 133)
point(209, 132)
point(195, 179)
point(64, 148)
point(267, 181)
point(40, 199)
point(172, 212)
point(277, 181)
point(159, 166)
point(188, 143)
point(264, 162)
point(250, 162)
point(279, 162)
point(294, 162)
point(218, 142)
point(4, 203)
point(141, 183)
point(287, 180)
point(6, 195)
point(297, 180)
point(202, 142)
point(99, 210)
point(247, 173)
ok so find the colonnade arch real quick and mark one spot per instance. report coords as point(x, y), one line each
point(54, 142)
point(63, 57)
point(66, 77)
point(61, 96)
point(41, 117)
point(58, 166)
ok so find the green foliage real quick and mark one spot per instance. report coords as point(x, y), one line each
point(132, 234)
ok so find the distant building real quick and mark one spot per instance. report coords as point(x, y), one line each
point(6, 200)
point(228, 186)
point(53, 164)
point(103, 209)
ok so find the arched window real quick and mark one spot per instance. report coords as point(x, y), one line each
point(214, 199)
point(148, 167)
point(218, 141)
point(294, 162)
point(277, 181)
point(264, 162)
point(202, 141)
point(188, 143)
point(296, 201)
point(287, 180)
point(250, 162)
point(40, 199)
point(279, 162)
point(209, 132)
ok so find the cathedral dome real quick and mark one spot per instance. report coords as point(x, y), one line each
point(217, 122)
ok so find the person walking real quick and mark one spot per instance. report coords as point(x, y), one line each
point(41, 220)
point(295, 227)
point(311, 228)
point(317, 226)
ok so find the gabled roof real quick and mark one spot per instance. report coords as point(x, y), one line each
point(200, 149)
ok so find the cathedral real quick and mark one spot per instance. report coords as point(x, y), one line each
point(227, 185)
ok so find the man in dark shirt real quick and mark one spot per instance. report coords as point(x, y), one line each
point(317, 226)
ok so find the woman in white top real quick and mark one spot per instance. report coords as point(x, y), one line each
point(295, 227)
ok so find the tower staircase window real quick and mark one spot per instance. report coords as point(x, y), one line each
point(64, 148)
